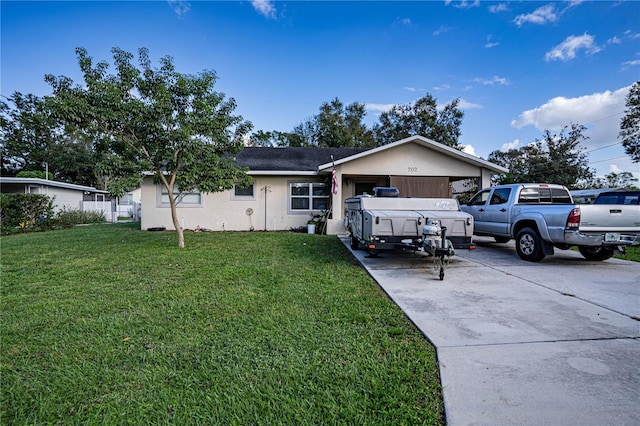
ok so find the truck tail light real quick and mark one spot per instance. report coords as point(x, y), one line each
point(573, 221)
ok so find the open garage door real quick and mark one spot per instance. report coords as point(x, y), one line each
point(422, 186)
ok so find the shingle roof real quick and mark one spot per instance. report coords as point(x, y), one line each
point(291, 159)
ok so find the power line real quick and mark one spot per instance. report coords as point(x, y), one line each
point(602, 147)
point(607, 159)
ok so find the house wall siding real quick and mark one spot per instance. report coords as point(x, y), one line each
point(223, 212)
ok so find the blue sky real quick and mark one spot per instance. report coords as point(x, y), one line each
point(517, 67)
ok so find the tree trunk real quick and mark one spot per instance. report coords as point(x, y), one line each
point(176, 222)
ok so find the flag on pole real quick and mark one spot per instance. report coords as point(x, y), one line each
point(334, 181)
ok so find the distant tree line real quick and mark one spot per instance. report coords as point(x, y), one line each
point(337, 125)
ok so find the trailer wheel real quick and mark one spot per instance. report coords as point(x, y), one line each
point(355, 244)
point(529, 245)
point(596, 253)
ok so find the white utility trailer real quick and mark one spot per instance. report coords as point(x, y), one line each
point(388, 222)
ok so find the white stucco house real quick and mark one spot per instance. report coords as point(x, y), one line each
point(65, 195)
point(292, 184)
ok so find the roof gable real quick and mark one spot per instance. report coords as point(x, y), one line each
point(427, 143)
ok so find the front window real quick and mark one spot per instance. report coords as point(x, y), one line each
point(183, 199)
point(308, 196)
point(243, 192)
point(479, 199)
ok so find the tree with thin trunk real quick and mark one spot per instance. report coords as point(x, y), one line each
point(155, 121)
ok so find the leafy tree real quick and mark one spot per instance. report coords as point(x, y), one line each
point(34, 139)
point(29, 134)
point(334, 126)
point(421, 118)
point(155, 120)
point(337, 126)
point(558, 158)
point(620, 180)
point(630, 124)
point(273, 139)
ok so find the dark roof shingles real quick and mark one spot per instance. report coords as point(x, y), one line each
point(291, 159)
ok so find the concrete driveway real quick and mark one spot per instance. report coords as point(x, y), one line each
point(519, 343)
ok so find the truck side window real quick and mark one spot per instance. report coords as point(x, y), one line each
point(479, 199)
point(500, 196)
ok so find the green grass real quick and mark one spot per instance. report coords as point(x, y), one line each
point(107, 324)
point(633, 254)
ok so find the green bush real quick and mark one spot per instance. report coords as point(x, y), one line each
point(25, 212)
point(66, 218)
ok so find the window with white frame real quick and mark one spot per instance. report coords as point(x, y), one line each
point(243, 192)
point(186, 199)
point(126, 200)
point(308, 196)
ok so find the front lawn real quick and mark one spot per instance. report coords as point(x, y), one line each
point(108, 324)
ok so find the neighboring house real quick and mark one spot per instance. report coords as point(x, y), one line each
point(292, 184)
point(129, 205)
point(65, 195)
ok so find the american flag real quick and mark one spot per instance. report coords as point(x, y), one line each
point(334, 181)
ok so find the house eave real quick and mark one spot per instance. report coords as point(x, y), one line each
point(56, 184)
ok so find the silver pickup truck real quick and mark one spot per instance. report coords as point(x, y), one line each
point(543, 216)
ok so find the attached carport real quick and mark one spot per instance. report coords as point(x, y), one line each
point(417, 166)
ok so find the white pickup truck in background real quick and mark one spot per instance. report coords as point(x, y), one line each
point(543, 216)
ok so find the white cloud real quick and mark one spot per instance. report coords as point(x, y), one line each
point(378, 107)
point(497, 8)
point(508, 146)
point(490, 43)
point(469, 149)
point(600, 113)
point(614, 40)
point(441, 30)
point(404, 21)
point(180, 7)
point(631, 35)
point(264, 7)
point(444, 86)
point(411, 89)
point(463, 4)
point(464, 104)
point(540, 16)
point(495, 80)
point(570, 46)
point(627, 64)
point(560, 111)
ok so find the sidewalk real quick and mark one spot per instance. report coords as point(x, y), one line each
point(519, 343)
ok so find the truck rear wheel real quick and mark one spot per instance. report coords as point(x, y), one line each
point(596, 253)
point(529, 246)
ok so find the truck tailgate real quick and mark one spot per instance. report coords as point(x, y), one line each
point(609, 218)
